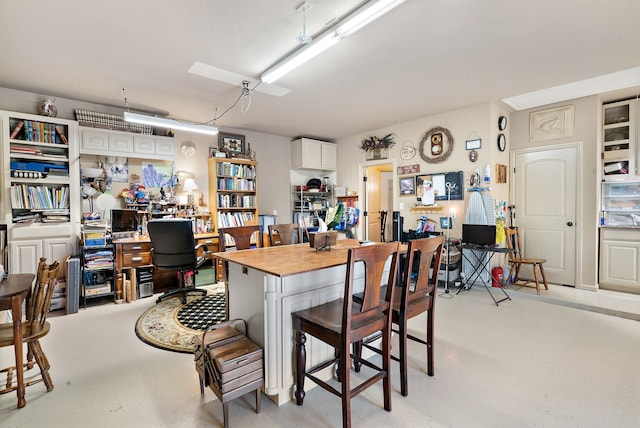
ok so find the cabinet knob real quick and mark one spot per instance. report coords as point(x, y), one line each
point(136, 248)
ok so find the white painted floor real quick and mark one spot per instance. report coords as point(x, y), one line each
point(526, 363)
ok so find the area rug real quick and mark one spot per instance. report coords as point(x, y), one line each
point(171, 325)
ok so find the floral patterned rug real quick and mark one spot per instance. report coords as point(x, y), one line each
point(171, 325)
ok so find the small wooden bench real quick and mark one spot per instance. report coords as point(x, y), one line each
point(229, 363)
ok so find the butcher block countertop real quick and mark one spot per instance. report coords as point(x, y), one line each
point(286, 260)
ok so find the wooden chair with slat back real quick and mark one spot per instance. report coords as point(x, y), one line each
point(517, 259)
point(34, 328)
point(341, 323)
point(416, 296)
point(284, 234)
point(383, 226)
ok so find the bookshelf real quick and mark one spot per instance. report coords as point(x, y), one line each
point(40, 188)
point(233, 192)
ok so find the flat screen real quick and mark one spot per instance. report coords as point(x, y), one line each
point(124, 220)
point(479, 234)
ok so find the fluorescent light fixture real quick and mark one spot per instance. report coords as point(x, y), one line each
point(582, 88)
point(344, 27)
point(170, 123)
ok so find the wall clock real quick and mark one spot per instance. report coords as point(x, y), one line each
point(502, 142)
point(436, 145)
point(502, 123)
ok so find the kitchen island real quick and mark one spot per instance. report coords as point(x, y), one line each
point(266, 285)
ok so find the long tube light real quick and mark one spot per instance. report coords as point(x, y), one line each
point(348, 25)
point(169, 123)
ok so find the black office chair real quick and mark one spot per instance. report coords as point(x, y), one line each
point(174, 248)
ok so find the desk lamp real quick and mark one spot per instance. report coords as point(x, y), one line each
point(189, 186)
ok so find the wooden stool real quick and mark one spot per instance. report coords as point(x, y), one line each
point(229, 363)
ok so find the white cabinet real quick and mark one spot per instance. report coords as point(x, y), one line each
point(621, 203)
point(24, 255)
point(620, 259)
point(117, 143)
point(619, 140)
point(40, 198)
point(307, 153)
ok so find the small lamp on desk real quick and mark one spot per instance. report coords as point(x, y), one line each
point(189, 186)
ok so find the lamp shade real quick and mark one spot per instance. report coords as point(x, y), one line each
point(189, 185)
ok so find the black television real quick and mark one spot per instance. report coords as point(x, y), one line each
point(124, 220)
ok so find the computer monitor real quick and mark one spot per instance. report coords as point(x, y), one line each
point(479, 234)
point(124, 220)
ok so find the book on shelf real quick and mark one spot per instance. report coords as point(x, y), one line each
point(17, 129)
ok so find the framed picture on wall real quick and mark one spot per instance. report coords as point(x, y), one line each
point(407, 186)
point(231, 142)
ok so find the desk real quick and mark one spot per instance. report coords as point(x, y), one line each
point(132, 253)
point(13, 291)
point(267, 284)
point(481, 264)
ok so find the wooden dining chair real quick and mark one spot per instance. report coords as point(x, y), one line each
point(517, 259)
point(242, 236)
point(34, 328)
point(419, 285)
point(284, 234)
point(340, 323)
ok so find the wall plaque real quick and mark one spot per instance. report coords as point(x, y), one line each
point(408, 169)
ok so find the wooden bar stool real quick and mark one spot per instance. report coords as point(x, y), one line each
point(341, 322)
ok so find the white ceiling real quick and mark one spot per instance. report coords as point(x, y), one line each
point(423, 58)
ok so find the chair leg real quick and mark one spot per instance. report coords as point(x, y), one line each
point(535, 276)
point(386, 366)
point(430, 318)
point(345, 378)
point(544, 278)
point(43, 363)
point(201, 385)
point(301, 360)
point(357, 350)
point(404, 389)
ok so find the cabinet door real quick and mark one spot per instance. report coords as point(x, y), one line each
point(57, 250)
point(144, 145)
point(306, 153)
point(166, 148)
point(121, 143)
point(620, 263)
point(24, 256)
point(329, 156)
point(94, 141)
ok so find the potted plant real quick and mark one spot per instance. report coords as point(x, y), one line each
point(377, 148)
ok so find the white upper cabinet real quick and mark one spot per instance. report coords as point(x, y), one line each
point(307, 153)
point(116, 143)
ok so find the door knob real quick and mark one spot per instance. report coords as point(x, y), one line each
point(569, 223)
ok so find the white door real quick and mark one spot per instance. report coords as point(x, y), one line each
point(544, 193)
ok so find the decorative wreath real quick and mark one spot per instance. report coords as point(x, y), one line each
point(426, 145)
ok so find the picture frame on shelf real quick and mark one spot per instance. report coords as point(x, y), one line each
point(234, 143)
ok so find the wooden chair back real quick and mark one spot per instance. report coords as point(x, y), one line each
point(284, 234)
point(361, 320)
point(417, 297)
point(42, 294)
point(242, 237)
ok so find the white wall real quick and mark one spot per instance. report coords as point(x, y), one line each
point(478, 121)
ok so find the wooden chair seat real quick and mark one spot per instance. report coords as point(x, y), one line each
point(517, 259)
point(341, 323)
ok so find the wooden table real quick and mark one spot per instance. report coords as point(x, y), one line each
point(267, 284)
point(13, 291)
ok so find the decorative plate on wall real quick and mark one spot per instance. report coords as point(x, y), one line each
point(407, 152)
point(436, 145)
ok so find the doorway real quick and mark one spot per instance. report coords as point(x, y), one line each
point(546, 194)
point(378, 194)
